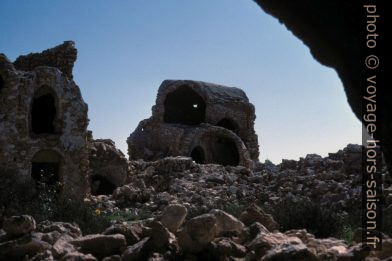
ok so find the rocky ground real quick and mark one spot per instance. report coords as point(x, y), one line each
point(175, 209)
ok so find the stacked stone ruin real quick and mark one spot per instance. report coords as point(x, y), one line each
point(44, 137)
point(43, 119)
point(208, 122)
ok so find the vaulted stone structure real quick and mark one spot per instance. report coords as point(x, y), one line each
point(208, 122)
point(43, 119)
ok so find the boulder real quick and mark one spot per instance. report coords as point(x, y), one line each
point(256, 214)
point(100, 245)
point(63, 246)
point(197, 233)
point(290, 252)
point(136, 251)
point(263, 242)
point(225, 247)
point(18, 225)
point(327, 248)
point(131, 233)
point(160, 237)
point(173, 216)
point(249, 233)
point(226, 223)
point(27, 245)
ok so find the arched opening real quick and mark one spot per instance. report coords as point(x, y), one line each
point(184, 106)
point(2, 82)
point(101, 186)
point(43, 114)
point(228, 124)
point(221, 150)
point(45, 168)
point(197, 155)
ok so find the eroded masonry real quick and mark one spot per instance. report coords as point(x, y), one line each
point(44, 136)
point(208, 122)
point(43, 119)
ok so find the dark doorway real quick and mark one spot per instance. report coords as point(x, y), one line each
point(198, 155)
point(222, 150)
point(101, 186)
point(45, 172)
point(43, 113)
point(228, 124)
point(45, 168)
point(2, 82)
point(184, 106)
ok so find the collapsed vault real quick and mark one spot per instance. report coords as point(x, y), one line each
point(208, 122)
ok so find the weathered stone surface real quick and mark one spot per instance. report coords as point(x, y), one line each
point(62, 57)
point(291, 252)
point(250, 232)
point(225, 247)
point(63, 246)
point(266, 241)
point(326, 248)
point(135, 252)
point(18, 225)
point(208, 122)
point(226, 223)
point(108, 165)
point(160, 237)
point(51, 237)
point(43, 120)
point(131, 233)
point(27, 245)
point(127, 194)
point(197, 233)
point(102, 245)
point(77, 256)
point(61, 227)
point(256, 214)
point(173, 217)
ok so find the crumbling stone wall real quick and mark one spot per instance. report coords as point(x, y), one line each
point(43, 119)
point(62, 57)
point(208, 122)
point(108, 165)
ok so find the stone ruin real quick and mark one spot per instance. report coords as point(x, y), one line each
point(44, 136)
point(43, 119)
point(208, 122)
point(109, 167)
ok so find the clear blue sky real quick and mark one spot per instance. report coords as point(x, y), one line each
point(127, 48)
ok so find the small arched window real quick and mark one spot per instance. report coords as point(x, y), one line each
point(197, 155)
point(184, 106)
point(43, 113)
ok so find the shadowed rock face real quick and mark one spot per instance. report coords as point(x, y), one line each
point(108, 165)
point(208, 122)
point(333, 31)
